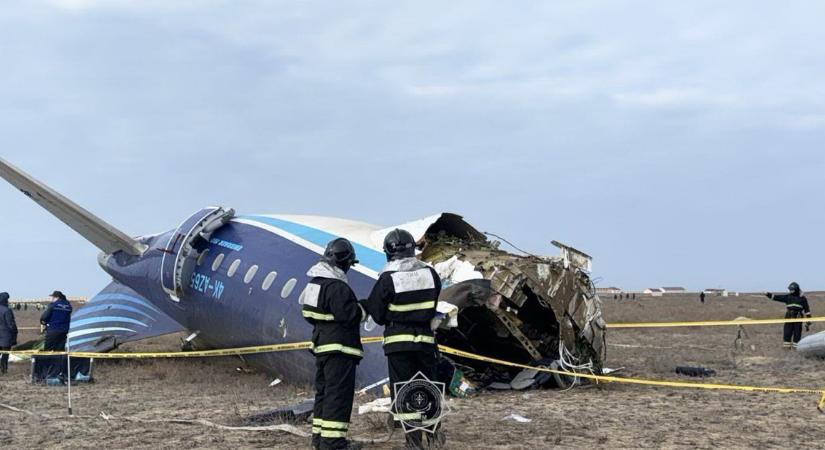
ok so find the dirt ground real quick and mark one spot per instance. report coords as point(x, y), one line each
point(604, 416)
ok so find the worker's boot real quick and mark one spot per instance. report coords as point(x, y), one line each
point(351, 445)
point(341, 445)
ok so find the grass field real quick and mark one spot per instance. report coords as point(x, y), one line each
point(606, 416)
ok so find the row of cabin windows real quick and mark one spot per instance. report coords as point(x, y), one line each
point(289, 286)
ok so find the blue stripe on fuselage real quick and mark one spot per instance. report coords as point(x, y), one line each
point(368, 257)
point(77, 324)
point(85, 311)
point(123, 297)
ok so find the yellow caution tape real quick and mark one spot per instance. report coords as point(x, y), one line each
point(661, 383)
point(714, 323)
point(374, 339)
point(443, 349)
point(194, 354)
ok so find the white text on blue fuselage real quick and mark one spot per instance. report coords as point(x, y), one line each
point(226, 244)
point(205, 285)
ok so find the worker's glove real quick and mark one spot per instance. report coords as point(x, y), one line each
point(370, 324)
point(807, 326)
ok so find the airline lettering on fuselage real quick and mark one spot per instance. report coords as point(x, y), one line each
point(205, 285)
point(226, 244)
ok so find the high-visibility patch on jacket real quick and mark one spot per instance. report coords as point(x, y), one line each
point(405, 301)
point(333, 310)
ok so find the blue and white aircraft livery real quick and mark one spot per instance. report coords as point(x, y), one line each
point(231, 280)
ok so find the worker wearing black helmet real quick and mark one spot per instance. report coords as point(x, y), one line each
point(404, 300)
point(330, 305)
point(796, 305)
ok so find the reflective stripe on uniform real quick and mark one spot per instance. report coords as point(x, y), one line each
point(337, 348)
point(794, 305)
point(412, 306)
point(335, 425)
point(333, 434)
point(318, 316)
point(408, 338)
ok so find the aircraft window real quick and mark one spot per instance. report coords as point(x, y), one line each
point(233, 268)
point(202, 257)
point(250, 274)
point(288, 287)
point(269, 280)
point(217, 262)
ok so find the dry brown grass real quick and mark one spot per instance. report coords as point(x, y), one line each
point(607, 416)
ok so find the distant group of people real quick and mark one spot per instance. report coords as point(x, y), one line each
point(54, 322)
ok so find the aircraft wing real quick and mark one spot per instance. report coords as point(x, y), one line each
point(103, 235)
point(114, 316)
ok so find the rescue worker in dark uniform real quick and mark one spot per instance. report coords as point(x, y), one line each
point(330, 305)
point(404, 301)
point(55, 320)
point(796, 305)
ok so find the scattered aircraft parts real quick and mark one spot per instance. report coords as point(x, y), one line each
point(517, 418)
point(298, 413)
point(812, 346)
point(701, 372)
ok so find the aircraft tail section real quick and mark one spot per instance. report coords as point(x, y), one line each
point(103, 235)
point(115, 316)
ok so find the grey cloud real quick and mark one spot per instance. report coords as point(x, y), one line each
point(622, 128)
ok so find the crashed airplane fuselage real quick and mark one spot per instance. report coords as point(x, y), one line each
point(234, 281)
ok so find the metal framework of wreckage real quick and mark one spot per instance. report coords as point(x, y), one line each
point(526, 309)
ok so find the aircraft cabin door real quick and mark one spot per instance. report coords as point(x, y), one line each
point(180, 252)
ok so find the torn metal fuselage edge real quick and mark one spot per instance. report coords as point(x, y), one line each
point(525, 309)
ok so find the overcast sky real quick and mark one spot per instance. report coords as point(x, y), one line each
point(679, 143)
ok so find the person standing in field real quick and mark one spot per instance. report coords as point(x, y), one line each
point(8, 331)
point(330, 306)
point(55, 322)
point(795, 306)
point(404, 300)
